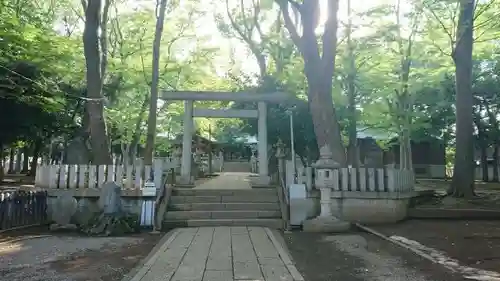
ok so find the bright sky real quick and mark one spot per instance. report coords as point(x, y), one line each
point(207, 26)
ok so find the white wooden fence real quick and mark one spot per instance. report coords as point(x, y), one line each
point(93, 176)
point(358, 180)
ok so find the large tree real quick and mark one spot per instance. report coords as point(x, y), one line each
point(463, 175)
point(319, 67)
point(95, 101)
point(161, 6)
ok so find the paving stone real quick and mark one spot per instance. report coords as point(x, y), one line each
point(218, 275)
point(270, 261)
point(276, 273)
point(219, 263)
point(220, 254)
point(239, 230)
point(263, 246)
point(247, 271)
point(188, 273)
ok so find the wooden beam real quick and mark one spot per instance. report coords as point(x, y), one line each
point(225, 113)
point(225, 96)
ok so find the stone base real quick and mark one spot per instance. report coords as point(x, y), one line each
point(185, 181)
point(325, 224)
point(59, 227)
point(260, 181)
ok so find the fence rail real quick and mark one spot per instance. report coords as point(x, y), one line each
point(357, 179)
point(94, 176)
point(22, 209)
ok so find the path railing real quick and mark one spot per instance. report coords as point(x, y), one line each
point(20, 209)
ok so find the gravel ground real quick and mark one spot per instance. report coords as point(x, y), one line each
point(72, 258)
point(359, 257)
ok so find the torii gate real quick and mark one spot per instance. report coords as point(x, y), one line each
point(189, 113)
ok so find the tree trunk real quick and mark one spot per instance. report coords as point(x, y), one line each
point(12, 153)
point(2, 163)
point(484, 158)
point(95, 107)
point(463, 175)
point(132, 152)
point(36, 154)
point(26, 159)
point(17, 165)
point(495, 162)
point(319, 68)
point(153, 102)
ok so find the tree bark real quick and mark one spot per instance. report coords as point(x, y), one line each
point(132, 152)
point(153, 106)
point(95, 107)
point(12, 153)
point(319, 68)
point(495, 161)
point(462, 184)
point(26, 159)
point(36, 154)
point(482, 141)
point(2, 163)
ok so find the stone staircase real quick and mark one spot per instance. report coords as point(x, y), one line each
point(223, 207)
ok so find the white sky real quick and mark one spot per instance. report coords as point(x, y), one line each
point(248, 64)
point(206, 26)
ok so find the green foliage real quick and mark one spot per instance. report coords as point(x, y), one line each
point(42, 70)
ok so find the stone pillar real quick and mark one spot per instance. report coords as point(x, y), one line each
point(280, 155)
point(177, 158)
point(262, 145)
point(325, 222)
point(187, 138)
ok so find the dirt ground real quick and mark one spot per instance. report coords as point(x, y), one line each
point(37, 255)
point(14, 182)
point(359, 257)
point(488, 196)
point(473, 243)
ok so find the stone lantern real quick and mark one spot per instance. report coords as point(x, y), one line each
point(325, 222)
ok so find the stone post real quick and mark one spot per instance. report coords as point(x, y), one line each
point(280, 155)
point(285, 208)
point(325, 222)
point(187, 138)
point(221, 161)
point(177, 155)
point(262, 145)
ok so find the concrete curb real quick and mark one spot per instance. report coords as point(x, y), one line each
point(143, 267)
point(285, 257)
point(382, 236)
point(453, 214)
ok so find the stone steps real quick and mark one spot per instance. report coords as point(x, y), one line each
point(240, 206)
point(186, 215)
point(271, 223)
point(223, 207)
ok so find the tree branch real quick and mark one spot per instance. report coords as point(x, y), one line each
point(292, 30)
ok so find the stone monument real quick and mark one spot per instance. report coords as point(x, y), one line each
point(110, 198)
point(63, 210)
point(325, 222)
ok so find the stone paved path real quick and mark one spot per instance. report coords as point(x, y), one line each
point(229, 180)
point(220, 254)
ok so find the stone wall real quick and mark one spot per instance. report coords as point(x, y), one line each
point(88, 206)
point(363, 207)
